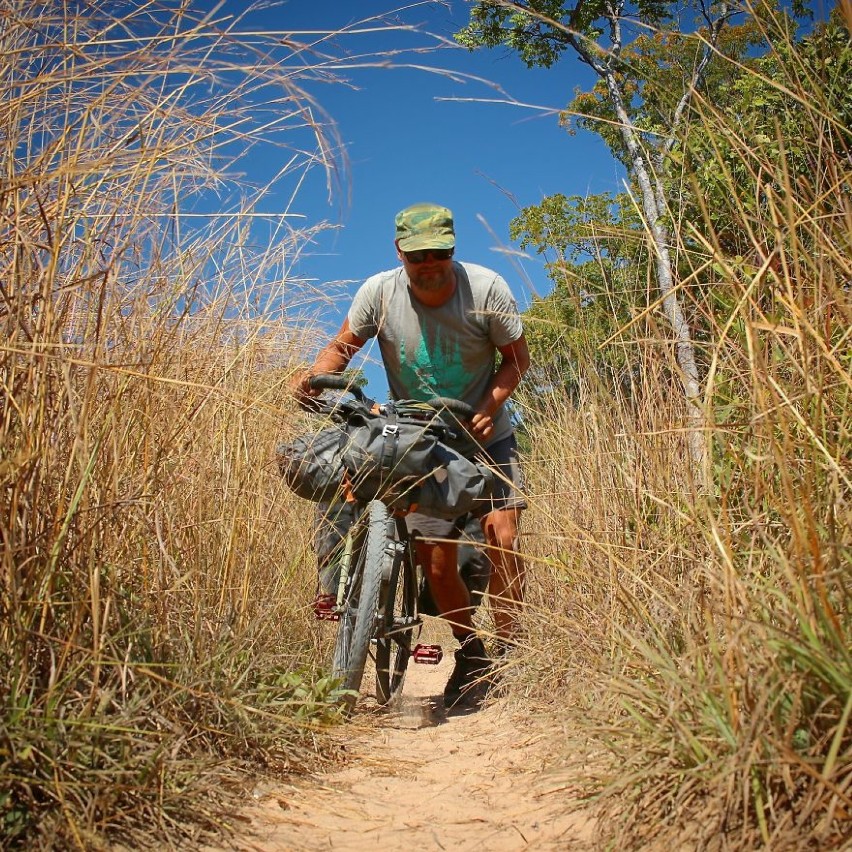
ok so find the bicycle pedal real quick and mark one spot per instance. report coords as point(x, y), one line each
point(324, 608)
point(429, 655)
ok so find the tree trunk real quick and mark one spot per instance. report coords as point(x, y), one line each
point(654, 216)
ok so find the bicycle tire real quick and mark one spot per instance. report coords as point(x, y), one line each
point(397, 623)
point(359, 608)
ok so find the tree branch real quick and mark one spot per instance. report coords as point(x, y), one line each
point(588, 49)
point(714, 29)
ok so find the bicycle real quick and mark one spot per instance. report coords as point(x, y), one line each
point(379, 580)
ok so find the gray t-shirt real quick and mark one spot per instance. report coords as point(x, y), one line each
point(445, 351)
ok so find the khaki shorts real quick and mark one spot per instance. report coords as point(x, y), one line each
point(502, 458)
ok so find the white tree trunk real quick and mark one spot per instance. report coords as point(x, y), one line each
point(654, 216)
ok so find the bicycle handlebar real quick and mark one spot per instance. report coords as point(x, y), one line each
point(334, 381)
point(337, 381)
point(460, 411)
point(455, 406)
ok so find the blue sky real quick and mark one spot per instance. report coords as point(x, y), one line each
point(406, 142)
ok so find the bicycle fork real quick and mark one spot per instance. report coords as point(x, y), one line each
point(329, 606)
point(395, 565)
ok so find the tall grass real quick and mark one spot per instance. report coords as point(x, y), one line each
point(705, 631)
point(153, 573)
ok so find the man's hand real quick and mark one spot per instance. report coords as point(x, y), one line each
point(481, 426)
point(300, 385)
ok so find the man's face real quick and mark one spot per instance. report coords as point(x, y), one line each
point(429, 270)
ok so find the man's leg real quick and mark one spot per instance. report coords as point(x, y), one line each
point(508, 572)
point(470, 679)
point(439, 561)
point(500, 525)
point(331, 523)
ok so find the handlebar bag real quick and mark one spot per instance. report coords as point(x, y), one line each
point(385, 447)
point(454, 487)
point(386, 455)
point(400, 460)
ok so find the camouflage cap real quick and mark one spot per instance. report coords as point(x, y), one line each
point(424, 226)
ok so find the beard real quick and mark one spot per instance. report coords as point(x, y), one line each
point(432, 280)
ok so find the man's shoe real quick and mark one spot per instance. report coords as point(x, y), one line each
point(472, 676)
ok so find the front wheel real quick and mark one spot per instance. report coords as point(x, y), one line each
point(371, 553)
point(398, 625)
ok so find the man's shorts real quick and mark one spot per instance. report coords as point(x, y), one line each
point(502, 458)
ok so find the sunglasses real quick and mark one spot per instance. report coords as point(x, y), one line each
point(421, 254)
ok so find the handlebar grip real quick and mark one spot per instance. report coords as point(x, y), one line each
point(335, 381)
point(455, 406)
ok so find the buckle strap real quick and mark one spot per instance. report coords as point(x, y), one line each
point(390, 433)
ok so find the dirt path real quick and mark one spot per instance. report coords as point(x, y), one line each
point(423, 778)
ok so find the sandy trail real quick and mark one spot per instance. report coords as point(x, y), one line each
point(419, 777)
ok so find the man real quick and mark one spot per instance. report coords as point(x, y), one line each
point(450, 329)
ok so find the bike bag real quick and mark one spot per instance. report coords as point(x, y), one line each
point(393, 454)
point(312, 465)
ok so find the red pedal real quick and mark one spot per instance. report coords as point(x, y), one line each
point(324, 608)
point(429, 655)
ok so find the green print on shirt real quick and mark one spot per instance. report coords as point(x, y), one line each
point(437, 373)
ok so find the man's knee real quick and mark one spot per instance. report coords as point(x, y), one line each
point(439, 562)
point(501, 529)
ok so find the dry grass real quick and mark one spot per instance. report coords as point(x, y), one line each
point(700, 619)
point(154, 571)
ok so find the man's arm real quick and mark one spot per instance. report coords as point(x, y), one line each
point(334, 357)
point(515, 362)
